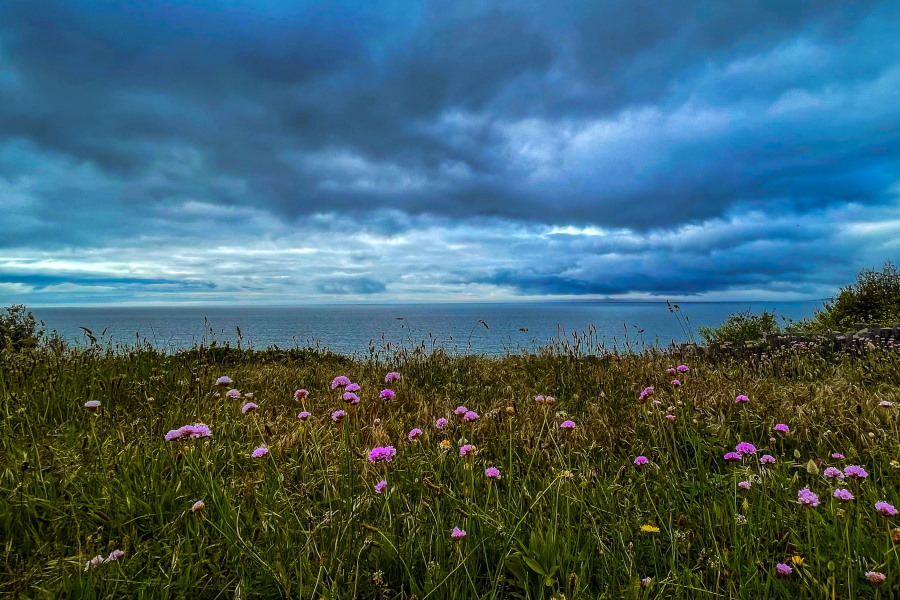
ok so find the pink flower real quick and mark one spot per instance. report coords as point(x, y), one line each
point(807, 498)
point(197, 430)
point(567, 425)
point(470, 415)
point(387, 394)
point(379, 487)
point(233, 393)
point(682, 368)
point(340, 382)
point(350, 398)
point(837, 455)
point(115, 555)
point(670, 370)
point(886, 509)
point(92, 404)
point(440, 423)
point(304, 415)
point(94, 563)
point(641, 460)
point(539, 399)
point(766, 459)
point(353, 387)
point(782, 428)
point(260, 452)
point(492, 472)
point(457, 533)
point(732, 456)
point(301, 394)
point(224, 380)
point(745, 448)
point(413, 434)
point(249, 395)
point(250, 406)
point(676, 383)
point(466, 450)
point(741, 399)
point(874, 577)
point(855, 472)
point(646, 393)
point(392, 377)
point(782, 570)
point(670, 417)
point(337, 415)
point(843, 495)
point(744, 485)
point(460, 411)
point(382, 454)
point(197, 506)
point(885, 404)
point(832, 473)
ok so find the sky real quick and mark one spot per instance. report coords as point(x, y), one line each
point(290, 152)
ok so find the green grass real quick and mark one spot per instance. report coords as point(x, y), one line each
point(564, 519)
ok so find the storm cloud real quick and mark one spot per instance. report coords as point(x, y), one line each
point(284, 151)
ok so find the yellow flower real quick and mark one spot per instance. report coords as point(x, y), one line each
point(566, 474)
point(797, 560)
point(895, 464)
point(445, 444)
point(650, 528)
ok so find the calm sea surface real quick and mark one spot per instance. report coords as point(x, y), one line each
point(351, 329)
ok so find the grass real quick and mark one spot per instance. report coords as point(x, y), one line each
point(571, 516)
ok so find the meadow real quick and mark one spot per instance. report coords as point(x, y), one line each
point(226, 473)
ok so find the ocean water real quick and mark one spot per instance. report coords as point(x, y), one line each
point(492, 329)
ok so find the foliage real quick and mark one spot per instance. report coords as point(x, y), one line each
point(873, 298)
point(571, 515)
point(18, 329)
point(742, 326)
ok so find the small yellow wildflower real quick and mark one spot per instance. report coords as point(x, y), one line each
point(650, 528)
point(566, 474)
point(797, 560)
point(445, 444)
point(895, 464)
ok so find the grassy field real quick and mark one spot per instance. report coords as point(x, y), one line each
point(572, 514)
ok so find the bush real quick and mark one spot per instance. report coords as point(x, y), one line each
point(742, 326)
point(18, 329)
point(874, 298)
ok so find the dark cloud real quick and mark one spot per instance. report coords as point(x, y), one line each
point(131, 123)
point(343, 286)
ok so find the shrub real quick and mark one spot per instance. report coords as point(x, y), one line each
point(742, 326)
point(874, 298)
point(18, 329)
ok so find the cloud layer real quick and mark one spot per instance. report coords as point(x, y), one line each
point(300, 152)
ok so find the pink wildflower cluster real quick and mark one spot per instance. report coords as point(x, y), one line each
point(249, 407)
point(92, 404)
point(259, 452)
point(440, 423)
point(855, 472)
point(741, 399)
point(197, 430)
point(843, 495)
point(886, 509)
point(470, 416)
point(682, 368)
point(232, 393)
point(782, 428)
point(338, 415)
point(646, 393)
point(492, 473)
point(570, 425)
point(457, 533)
point(224, 380)
point(832, 473)
point(782, 570)
point(99, 560)
point(350, 398)
point(340, 382)
point(301, 394)
point(766, 459)
point(379, 487)
point(641, 461)
point(387, 394)
point(460, 411)
point(382, 454)
point(807, 498)
point(466, 449)
point(544, 399)
point(745, 448)
point(414, 434)
point(392, 377)
point(304, 415)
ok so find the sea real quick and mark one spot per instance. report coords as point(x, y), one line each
point(359, 329)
